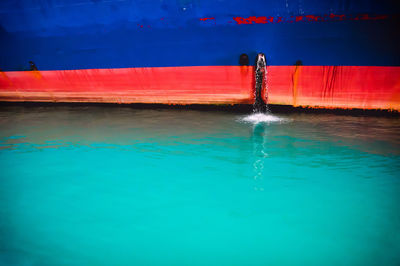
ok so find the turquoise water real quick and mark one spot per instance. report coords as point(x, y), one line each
point(121, 186)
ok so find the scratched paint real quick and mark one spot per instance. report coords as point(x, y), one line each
point(204, 19)
point(307, 18)
point(369, 87)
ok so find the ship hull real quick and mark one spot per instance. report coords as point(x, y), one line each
point(307, 86)
point(330, 55)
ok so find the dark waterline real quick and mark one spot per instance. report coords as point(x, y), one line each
point(234, 108)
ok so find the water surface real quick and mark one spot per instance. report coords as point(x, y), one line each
point(121, 186)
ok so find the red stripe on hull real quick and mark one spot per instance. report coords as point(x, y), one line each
point(314, 86)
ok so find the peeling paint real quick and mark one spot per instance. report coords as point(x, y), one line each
point(307, 18)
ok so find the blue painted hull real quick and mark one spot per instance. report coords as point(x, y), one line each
point(62, 35)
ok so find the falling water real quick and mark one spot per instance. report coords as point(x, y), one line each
point(259, 105)
point(261, 113)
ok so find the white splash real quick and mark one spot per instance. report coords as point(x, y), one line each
point(262, 118)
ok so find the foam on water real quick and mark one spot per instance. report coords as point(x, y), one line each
point(256, 118)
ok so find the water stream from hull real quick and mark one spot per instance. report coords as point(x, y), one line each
point(261, 88)
point(261, 112)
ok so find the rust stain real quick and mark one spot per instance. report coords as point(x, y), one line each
point(329, 81)
point(5, 78)
point(295, 80)
point(245, 71)
point(395, 96)
point(36, 74)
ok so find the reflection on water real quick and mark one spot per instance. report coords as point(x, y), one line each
point(116, 185)
point(259, 153)
point(62, 125)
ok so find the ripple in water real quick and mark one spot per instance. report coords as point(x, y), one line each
point(262, 118)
